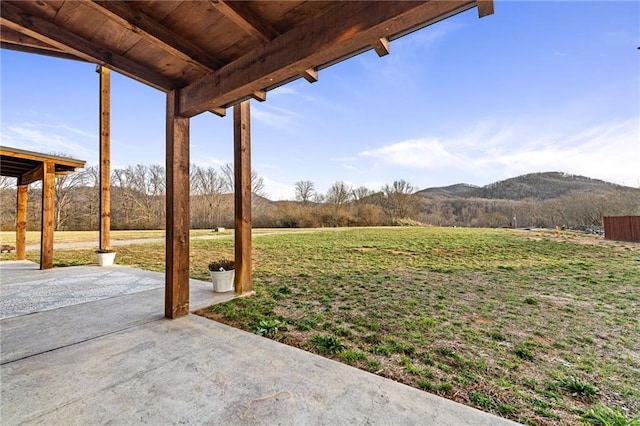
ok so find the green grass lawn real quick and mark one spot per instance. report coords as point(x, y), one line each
point(535, 327)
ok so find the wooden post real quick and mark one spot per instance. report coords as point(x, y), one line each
point(105, 159)
point(177, 238)
point(48, 204)
point(242, 196)
point(21, 223)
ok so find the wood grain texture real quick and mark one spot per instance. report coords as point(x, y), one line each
point(242, 195)
point(57, 36)
point(21, 222)
point(346, 29)
point(105, 158)
point(48, 204)
point(178, 222)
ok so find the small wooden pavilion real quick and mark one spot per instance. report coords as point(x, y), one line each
point(28, 167)
point(209, 56)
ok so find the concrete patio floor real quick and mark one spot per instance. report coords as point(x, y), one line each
point(116, 360)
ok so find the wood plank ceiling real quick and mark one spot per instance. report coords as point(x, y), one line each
point(217, 53)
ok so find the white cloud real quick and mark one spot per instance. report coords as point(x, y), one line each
point(608, 151)
point(52, 139)
point(417, 153)
point(274, 116)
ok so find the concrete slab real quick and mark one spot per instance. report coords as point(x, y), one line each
point(117, 361)
point(25, 289)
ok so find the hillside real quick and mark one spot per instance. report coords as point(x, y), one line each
point(539, 186)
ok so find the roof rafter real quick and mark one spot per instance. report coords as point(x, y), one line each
point(47, 32)
point(246, 20)
point(381, 46)
point(345, 30)
point(156, 33)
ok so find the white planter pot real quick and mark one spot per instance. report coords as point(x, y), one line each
point(106, 259)
point(222, 280)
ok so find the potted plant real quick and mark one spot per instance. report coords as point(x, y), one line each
point(106, 256)
point(222, 274)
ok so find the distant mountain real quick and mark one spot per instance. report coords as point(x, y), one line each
point(540, 186)
point(458, 190)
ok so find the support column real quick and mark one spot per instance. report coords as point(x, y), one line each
point(105, 159)
point(21, 223)
point(242, 196)
point(177, 238)
point(48, 204)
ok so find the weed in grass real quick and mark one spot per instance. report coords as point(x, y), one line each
point(342, 331)
point(505, 408)
point(327, 344)
point(427, 359)
point(545, 412)
point(530, 301)
point(497, 336)
point(269, 327)
point(351, 356)
point(523, 351)
point(374, 366)
point(578, 387)
point(445, 387)
point(602, 415)
point(381, 349)
point(425, 385)
point(481, 399)
point(372, 338)
point(444, 367)
point(400, 347)
point(426, 323)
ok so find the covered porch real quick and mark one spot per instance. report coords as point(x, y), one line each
point(208, 57)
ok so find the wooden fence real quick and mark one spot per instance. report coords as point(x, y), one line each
point(622, 228)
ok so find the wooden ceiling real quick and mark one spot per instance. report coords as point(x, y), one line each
point(217, 53)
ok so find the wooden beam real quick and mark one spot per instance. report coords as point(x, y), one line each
point(242, 195)
point(105, 158)
point(13, 40)
point(48, 205)
point(310, 74)
point(381, 46)
point(47, 32)
point(21, 222)
point(220, 112)
point(32, 176)
point(177, 199)
point(259, 95)
point(344, 30)
point(151, 30)
point(246, 20)
point(485, 8)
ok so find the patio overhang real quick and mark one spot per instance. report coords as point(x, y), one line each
point(28, 167)
point(208, 56)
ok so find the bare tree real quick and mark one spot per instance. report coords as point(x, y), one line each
point(399, 200)
point(339, 193)
point(66, 189)
point(257, 182)
point(7, 182)
point(362, 192)
point(305, 190)
point(209, 187)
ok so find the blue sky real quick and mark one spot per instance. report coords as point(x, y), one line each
point(538, 86)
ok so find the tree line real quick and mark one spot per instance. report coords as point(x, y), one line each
point(138, 202)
